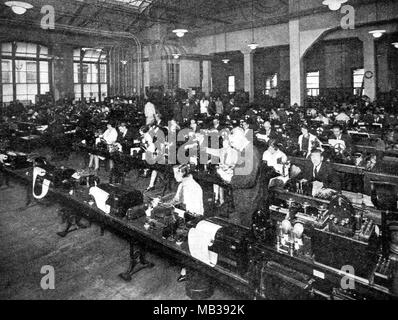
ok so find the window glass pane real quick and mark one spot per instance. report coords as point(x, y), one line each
point(44, 88)
point(7, 91)
point(6, 70)
point(231, 84)
point(22, 89)
point(31, 72)
point(6, 49)
point(44, 72)
point(26, 50)
point(86, 71)
point(43, 52)
point(94, 73)
point(76, 72)
point(103, 73)
point(91, 55)
point(76, 54)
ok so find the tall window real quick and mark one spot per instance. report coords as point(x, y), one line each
point(271, 83)
point(231, 84)
point(313, 83)
point(25, 72)
point(357, 80)
point(173, 75)
point(90, 74)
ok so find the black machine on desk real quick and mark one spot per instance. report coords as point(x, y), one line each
point(16, 160)
point(121, 200)
point(231, 245)
point(313, 233)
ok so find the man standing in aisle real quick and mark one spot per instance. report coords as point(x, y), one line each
point(150, 112)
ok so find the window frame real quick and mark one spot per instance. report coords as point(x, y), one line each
point(80, 77)
point(15, 56)
point(312, 92)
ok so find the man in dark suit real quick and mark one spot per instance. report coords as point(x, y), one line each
point(339, 135)
point(125, 138)
point(319, 171)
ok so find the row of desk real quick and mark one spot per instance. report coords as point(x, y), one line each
point(142, 241)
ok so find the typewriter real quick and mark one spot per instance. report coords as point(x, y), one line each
point(16, 160)
point(120, 200)
point(231, 245)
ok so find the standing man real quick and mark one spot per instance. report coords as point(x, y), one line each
point(246, 180)
point(204, 106)
point(150, 112)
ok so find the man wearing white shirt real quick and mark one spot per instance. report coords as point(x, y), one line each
point(275, 157)
point(110, 134)
point(204, 106)
point(150, 112)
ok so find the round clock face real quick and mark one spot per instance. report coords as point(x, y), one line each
point(368, 74)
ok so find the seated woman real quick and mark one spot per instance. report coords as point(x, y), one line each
point(190, 194)
point(274, 157)
point(94, 159)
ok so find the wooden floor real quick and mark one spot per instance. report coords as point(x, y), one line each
point(86, 264)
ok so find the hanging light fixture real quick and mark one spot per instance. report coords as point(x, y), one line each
point(225, 60)
point(334, 5)
point(395, 44)
point(253, 45)
point(377, 33)
point(18, 7)
point(180, 32)
point(176, 55)
point(123, 62)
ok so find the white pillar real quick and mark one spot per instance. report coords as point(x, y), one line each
point(249, 74)
point(369, 62)
point(206, 81)
point(296, 64)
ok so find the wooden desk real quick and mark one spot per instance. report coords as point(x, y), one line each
point(142, 240)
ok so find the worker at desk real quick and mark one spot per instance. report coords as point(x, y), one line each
point(319, 173)
point(246, 180)
point(189, 194)
point(339, 141)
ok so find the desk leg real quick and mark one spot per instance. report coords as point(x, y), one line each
point(138, 262)
point(29, 195)
point(72, 220)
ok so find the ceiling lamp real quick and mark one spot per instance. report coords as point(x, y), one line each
point(18, 7)
point(334, 5)
point(180, 32)
point(377, 33)
point(123, 62)
point(225, 60)
point(253, 45)
point(395, 44)
point(176, 55)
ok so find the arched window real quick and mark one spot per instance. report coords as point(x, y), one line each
point(90, 67)
point(25, 72)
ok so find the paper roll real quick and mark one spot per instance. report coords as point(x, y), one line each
point(199, 240)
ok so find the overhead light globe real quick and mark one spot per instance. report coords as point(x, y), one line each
point(253, 45)
point(176, 55)
point(180, 32)
point(395, 44)
point(377, 33)
point(123, 62)
point(18, 7)
point(334, 5)
point(225, 60)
